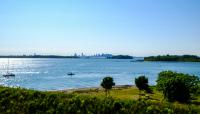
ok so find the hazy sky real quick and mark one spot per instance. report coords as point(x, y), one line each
point(135, 27)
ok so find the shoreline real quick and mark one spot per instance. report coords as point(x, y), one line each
point(94, 89)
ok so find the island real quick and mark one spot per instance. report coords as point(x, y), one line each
point(178, 58)
point(120, 57)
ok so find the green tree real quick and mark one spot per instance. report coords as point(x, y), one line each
point(107, 84)
point(163, 77)
point(178, 86)
point(176, 89)
point(142, 83)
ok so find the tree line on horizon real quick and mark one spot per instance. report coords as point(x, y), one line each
point(183, 58)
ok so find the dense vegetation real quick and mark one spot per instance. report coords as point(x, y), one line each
point(142, 83)
point(184, 58)
point(178, 86)
point(121, 57)
point(22, 101)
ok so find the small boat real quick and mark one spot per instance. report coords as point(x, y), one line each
point(8, 74)
point(70, 73)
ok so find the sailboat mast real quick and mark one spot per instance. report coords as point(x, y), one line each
point(8, 65)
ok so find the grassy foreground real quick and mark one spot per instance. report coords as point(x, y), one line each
point(92, 101)
point(128, 93)
point(119, 92)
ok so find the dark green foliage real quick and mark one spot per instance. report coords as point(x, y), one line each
point(22, 101)
point(163, 77)
point(121, 57)
point(107, 84)
point(142, 83)
point(185, 58)
point(178, 86)
point(176, 89)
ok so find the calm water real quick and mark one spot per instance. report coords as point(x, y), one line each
point(51, 74)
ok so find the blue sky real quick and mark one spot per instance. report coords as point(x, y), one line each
point(135, 27)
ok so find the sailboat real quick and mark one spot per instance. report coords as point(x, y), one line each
point(8, 74)
point(70, 73)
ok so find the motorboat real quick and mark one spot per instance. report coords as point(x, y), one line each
point(70, 73)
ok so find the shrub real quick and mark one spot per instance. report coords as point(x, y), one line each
point(177, 86)
point(107, 84)
point(176, 89)
point(162, 77)
point(142, 83)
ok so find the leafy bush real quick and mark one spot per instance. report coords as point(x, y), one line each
point(176, 89)
point(142, 83)
point(163, 77)
point(178, 86)
point(107, 84)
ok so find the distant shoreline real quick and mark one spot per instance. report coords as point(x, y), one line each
point(173, 58)
point(40, 56)
point(59, 56)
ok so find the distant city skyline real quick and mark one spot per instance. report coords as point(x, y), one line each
point(128, 27)
point(86, 55)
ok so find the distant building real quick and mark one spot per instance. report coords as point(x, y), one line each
point(101, 56)
point(75, 55)
point(82, 55)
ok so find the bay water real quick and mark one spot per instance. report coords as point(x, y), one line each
point(51, 74)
